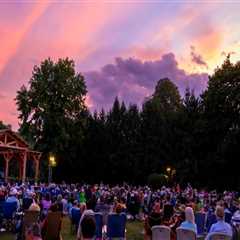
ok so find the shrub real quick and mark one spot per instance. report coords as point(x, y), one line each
point(156, 180)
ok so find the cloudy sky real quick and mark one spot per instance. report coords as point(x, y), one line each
point(122, 47)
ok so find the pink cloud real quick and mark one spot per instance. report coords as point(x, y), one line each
point(12, 35)
point(132, 80)
point(145, 53)
point(48, 30)
point(8, 111)
point(197, 58)
point(94, 33)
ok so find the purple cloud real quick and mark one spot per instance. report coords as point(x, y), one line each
point(197, 58)
point(132, 80)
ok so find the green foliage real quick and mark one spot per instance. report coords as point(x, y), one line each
point(166, 97)
point(221, 103)
point(52, 104)
point(197, 136)
point(156, 180)
point(4, 126)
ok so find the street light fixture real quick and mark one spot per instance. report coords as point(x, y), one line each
point(51, 163)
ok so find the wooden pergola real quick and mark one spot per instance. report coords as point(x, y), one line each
point(13, 146)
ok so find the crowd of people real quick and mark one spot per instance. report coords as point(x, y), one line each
point(173, 207)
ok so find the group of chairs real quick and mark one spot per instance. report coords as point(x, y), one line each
point(52, 227)
point(163, 233)
point(114, 227)
point(9, 217)
point(7, 214)
point(203, 221)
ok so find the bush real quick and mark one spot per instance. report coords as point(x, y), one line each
point(156, 180)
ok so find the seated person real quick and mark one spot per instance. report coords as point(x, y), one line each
point(59, 203)
point(33, 233)
point(13, 197)
point(153, 219)
point(221, 226)
point(88, 228)
point(168, 212)
point(178, 219)
point(34, 207)
point(118, 208)
point(46, 202)
point(189, 222)
point(2, 194)
point(86, 212)
point(54, 208)
point(168, 219)
point(75, 206)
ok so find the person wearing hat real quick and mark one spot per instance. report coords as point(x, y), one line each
point(221, 226)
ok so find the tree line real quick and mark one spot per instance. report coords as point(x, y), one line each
point(197, 137)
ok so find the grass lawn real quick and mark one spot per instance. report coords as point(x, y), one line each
point(134, 231)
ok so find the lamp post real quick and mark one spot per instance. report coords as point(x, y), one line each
point(51, 163)
point(171, 171)
point(168, 170)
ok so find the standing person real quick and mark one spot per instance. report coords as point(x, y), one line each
point(82, 197)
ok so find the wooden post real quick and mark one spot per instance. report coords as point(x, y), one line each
point(24, 163)
point(20, 170)
point(36, 169)
point(7, 157)
point(6, 169)
point(36, 158)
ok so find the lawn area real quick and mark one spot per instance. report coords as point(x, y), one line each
point(134, 231)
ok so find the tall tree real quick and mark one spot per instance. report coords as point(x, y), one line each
point(159, 116)
point(190, 135)
point(221, 103)
point(53, 102)
point(166, 96)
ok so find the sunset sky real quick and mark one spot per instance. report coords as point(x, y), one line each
point(121, 47)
